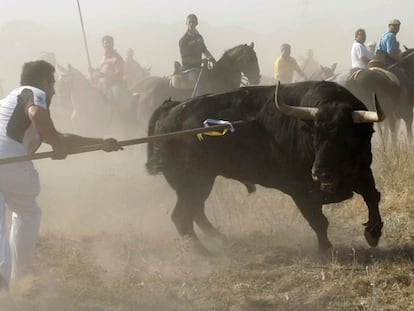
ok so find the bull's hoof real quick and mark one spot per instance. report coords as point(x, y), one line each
point(217, 235)
point(325, 246)
point(371, 239)
point(373, 233)
point(200, 249)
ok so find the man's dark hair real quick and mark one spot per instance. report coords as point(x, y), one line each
point(358, 31)
point(285, 46)
point(33, 73)
point(108, 38)
point(192, 16)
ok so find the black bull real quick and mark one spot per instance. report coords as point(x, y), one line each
point(317, 155)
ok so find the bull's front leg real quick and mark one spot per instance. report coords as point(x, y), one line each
point(312, 211)
point(366, 187)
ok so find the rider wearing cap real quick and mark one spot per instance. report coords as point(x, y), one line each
point(388, 51)
point(388, 48)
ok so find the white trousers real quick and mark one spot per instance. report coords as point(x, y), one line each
point(19, 187)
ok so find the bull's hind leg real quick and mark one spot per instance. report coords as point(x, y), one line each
point(312, 211)
point(205, 225)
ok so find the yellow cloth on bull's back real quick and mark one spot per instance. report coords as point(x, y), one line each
point(212, 133)
point(284, 68)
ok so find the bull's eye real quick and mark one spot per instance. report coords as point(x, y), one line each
point(306, 128)
point(327, 127)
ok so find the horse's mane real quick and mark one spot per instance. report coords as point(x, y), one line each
point(77, 72)
point(228, 53)
point(407, 52)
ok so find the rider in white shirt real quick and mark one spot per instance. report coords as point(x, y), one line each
point(360, 55)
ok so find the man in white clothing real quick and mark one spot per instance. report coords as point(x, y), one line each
point(25, 123)
point(360, 55)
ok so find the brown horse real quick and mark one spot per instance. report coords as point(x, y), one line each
point(93, 113)
point(397, 99)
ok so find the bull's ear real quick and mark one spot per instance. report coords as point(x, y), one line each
point(252, 45)
point(307, 127)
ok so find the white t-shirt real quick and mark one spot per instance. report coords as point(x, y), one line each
point(358, 51)
point(17, 134)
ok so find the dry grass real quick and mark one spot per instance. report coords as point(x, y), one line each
point(117, 249)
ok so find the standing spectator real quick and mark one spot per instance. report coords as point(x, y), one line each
point(286, 65)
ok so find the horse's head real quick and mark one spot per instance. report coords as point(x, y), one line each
point(323, 73)
point(64, 85)
point(244, 58)
point(70, 79)
point(407, 62)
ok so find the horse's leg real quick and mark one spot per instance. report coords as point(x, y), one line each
point(408, 120)
point(392, 126)
point(74, 118)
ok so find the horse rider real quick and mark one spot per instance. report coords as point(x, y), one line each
point(133, 71)
point(360, 55)
point(192, 47)
point(371, 48)
point(387, 50)
point(110, 72)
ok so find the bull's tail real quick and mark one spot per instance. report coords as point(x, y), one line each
point(154, 157)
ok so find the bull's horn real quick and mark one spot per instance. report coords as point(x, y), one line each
point(361, 116)
point(304, 113)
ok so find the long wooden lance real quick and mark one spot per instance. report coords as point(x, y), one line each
point(84, 35)
point(154, 138)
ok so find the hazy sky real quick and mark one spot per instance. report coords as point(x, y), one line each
point(259, 15)
point(154, 27)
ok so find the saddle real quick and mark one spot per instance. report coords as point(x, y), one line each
point(378, 66)
point(180, 79)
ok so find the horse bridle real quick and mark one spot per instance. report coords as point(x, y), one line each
point(400, 61)
point(241, 60)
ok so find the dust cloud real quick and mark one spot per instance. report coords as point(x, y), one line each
point(109, 197)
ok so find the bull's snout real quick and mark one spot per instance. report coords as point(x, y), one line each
point(325, 178)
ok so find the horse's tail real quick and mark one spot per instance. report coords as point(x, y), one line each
point(154, 156)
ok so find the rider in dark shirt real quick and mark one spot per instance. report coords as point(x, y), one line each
point(192, 45)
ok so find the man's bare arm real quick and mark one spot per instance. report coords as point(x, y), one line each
point(63, 143)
